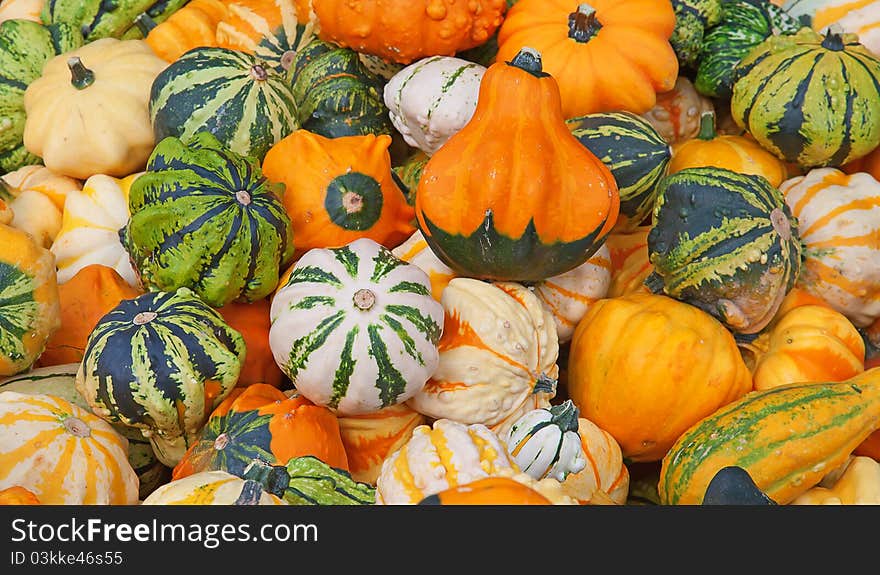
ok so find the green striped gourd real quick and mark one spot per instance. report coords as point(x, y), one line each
point(336, 95)
point(692, 17)
point(636, 154)
point(60, 381)
point(725, 243)
point(544, 442)
point(787, 438)
point(306, 480)
point(231, 94)
point(355, 328)
point(103, 19)
point(744, 25)
point(25, 47)
point(810, 99)
point(206, 218)
point(161, 362)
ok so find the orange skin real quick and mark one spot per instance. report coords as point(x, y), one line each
point(192, 26)
point(370, 438)
point(251, 320)
point(521, 166)
point(18, 496)
point(492, 491)
point(622, 67)
point(869, 164)
point(85, 299)
point(629, 261)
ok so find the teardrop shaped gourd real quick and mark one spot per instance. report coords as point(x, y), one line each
point(487, 217)
point(787, 438)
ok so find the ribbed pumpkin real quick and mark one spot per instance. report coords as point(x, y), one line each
point(251, 320)
point(736, 153)
point(416, 251)
point(692, 18)
point(18, 496)
point(339, 190)
point(488, 491)
point(371, 437)
point(261, 422)
point(726, 243)
point(192, 26)
point(744, 24)
point(355, 328)
point(62, 453)
point(635, 153)
point(811, 100)
point(406, 30)
point(838, 225)
point(437, 457)
point(676, 115)
point(597, 51)
point(29, 305)
point(630, 265)
point(646, 367)
point(206, 218)
point(858, 17)
point(83, 301)
point(213, 488)
point(99, 19)
point(606, 474)
point(336, 95)
point(25, 47)
point(787, 438)
point(90, 227)
point(60, 381)
point(487, 217)
point(21, 10)
point(497, 356)
point(88, 112)
point(161, 362)
point(234, 95)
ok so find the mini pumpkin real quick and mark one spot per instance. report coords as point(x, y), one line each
point(37, 196)
point(21, 10)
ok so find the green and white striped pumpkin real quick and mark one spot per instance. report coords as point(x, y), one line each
point(103, 18)
point(233, 95)
point(432, 99)
point(355, 328)
point(206, 218)
point(306, 480)
point(161, 362)
point(635, 152)
point(744, 25)
point(60, 381)
point(336, 95)
point(725, 243)
point(692, 17)
point(25, 47)
point(544, 442)
point(810, 99)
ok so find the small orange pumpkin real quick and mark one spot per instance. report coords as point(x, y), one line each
point(17, 495)
point(339, 190)
point(251, 320)
point(488, 491)
point(192, 26)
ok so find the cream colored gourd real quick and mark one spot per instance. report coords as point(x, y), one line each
point(548, 487)
point(39, 196)
point(88, 113)
point(90, 228)
point(212, 488)
point(432, 99)
point(606, 475)
point(21, 10)
point(545, 442)
point(62, 453)
point(839, 225)
point(415, 250)
point(498, 356)
point(859, 484)
point(439, 457)
point(569, 296)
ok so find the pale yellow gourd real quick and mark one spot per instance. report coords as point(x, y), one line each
point(606, 475)
point(859, 484)
point(21, 10)
point(38, 196)
point(88, 112)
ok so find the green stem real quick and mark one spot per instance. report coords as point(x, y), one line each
point(565, 415)
point(80, 76)
point(834, 38)
point(707, 126)
point(144, 23)
point(583, 24)
point(273, 478)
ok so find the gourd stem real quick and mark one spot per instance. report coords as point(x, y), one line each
point(259, 73)
point(364, 299)
point(565, 415)
point(144, 23)
point(583, 24)
point(80, 76)
point(707, 126)
point(273, 478)
point(654, 283)
point(834, 38)
point(529, 60)
point(544, 384)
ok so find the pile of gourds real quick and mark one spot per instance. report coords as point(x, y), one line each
point(534, 252)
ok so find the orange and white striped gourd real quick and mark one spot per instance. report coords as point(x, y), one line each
point(90, 228)
point(212, 488)
point(839, 224)
point(38, 202)
point(860, 17)
point(439, 457)
point(545, 442)
point(629, 261)
point(415, 250)
point(62, 453)
point(605, 471)
point(370, 438)
point(498, 356)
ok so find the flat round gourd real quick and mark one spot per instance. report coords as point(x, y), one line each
point(161, 362)
point(355, 328)
point(62, 453)
point(234, 95)
point(206, 218)
point(213, 488)
point(25, 47)
point(810, 99)
point(482, 198)
point(726, 243)
point(98, 19)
